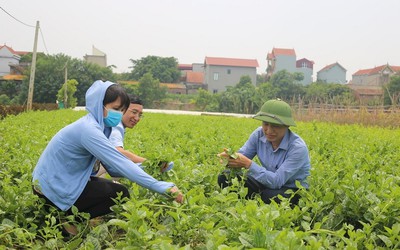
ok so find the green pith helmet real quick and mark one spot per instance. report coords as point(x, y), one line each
point(276, 112)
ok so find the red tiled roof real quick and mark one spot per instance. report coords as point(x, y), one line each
point(328, 67)
point(173, 85)
point(286, 52)
point(396, 68)
point(252, 63)
point(376, 70)
point(13, 77)
point(305, 60)
point(362, 72)
point(299, 63)
point(20, 53)
point(185, 66)
point(194, 77)
point(168, 85)
point(129, 82)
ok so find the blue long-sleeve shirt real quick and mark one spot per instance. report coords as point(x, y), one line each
point(117, 135)
point(65, 166)
point(281, 167)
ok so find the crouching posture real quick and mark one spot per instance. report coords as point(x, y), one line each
point(283, 156)
point(62, 175)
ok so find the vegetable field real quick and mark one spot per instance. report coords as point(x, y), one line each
point(353, 201)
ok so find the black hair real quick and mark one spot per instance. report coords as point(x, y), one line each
point(135, 100)
point(113, 92)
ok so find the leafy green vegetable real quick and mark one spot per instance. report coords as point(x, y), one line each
point(232, 154)
point(353, 202)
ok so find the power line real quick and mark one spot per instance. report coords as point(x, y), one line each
point(44, 42)
point(32, 26)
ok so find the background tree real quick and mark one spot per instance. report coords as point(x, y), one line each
point(239, 98)
point(50, 76)
point(286, 85)
point(204, 98)
point(328, 93)
point(150, 90)
point(260, 79)
point(71, 89)
point(10, 89)
point(316, 92)
point(131, 89)
point(392, 91)
point(264, 92)
point(339, 94)
point(85, 74)
point(4, 99)
point(165, 69)
point(298, 77)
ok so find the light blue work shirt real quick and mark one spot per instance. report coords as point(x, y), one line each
point(281, 167)
point(117, 135)
point(65, 166)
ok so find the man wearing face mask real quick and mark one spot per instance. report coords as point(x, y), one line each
point(130, 119)
point(62, 175)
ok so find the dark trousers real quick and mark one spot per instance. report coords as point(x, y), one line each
point(254, 187)
point(96, 198)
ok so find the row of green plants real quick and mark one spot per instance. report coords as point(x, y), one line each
point(353, 202)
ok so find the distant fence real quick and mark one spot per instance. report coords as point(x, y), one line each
point(384, 116)
point(322, 108)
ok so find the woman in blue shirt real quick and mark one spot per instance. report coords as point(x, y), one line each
point(63, 173)
point(283, 155)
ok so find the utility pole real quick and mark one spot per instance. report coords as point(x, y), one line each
point(66, 85)
point(33, 69)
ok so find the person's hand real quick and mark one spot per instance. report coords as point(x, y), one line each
point(166, 166)
point(177, 194)
point(223, 157)
point(241, 161)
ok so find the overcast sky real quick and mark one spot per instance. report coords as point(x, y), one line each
point(359, 34)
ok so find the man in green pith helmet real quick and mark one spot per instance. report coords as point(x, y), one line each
point(283, 155)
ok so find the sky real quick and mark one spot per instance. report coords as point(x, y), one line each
point(358, 34)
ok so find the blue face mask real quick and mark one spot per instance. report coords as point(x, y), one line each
point(113, 117)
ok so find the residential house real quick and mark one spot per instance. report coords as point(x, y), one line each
point(175, 88)
point(9, 61)
point(192, 76)
point(285, 59)
point(281, 59)
point(366, 94)
point(220, 72)
point(194, 81)
point(377, 76)
point(332, 73)
point(98, 57)
point(306, 67)
point(172, 88)
point(183, 68)
point(367, 84)
point(198, 67)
